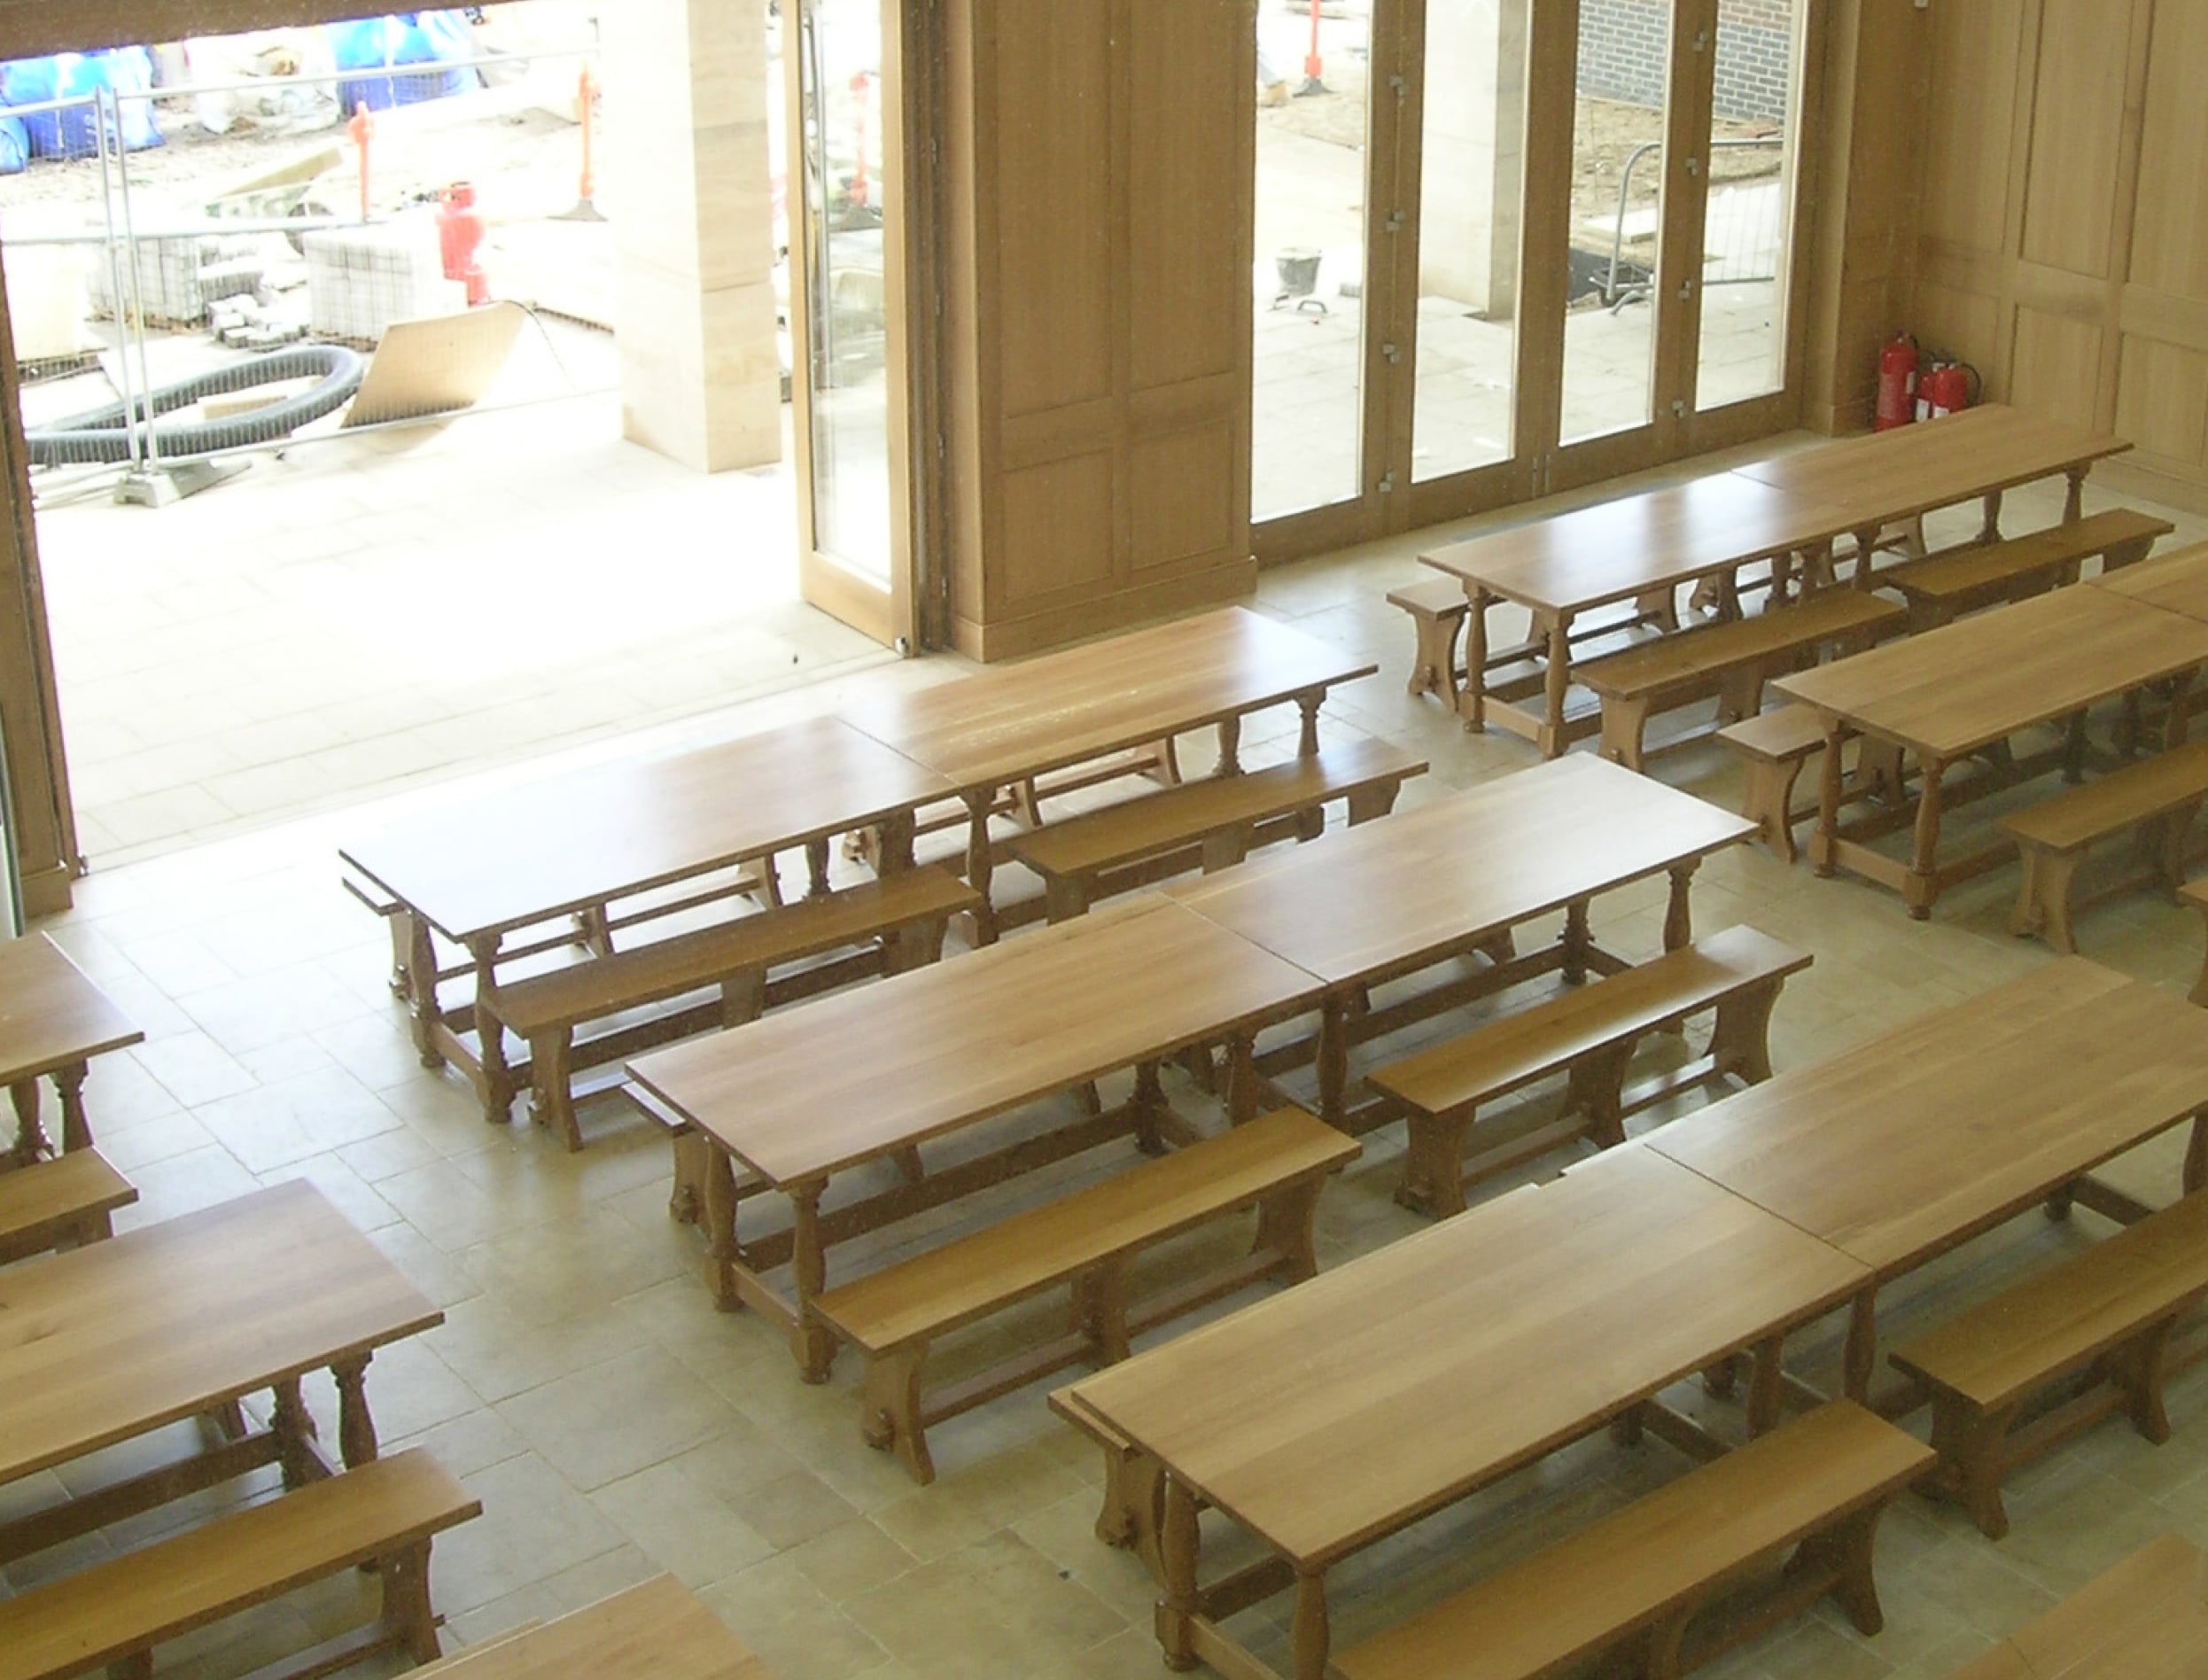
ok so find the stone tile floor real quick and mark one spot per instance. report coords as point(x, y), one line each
point(615, 1426)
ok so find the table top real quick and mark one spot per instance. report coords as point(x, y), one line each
point(1339, 1412)
point(167, 1321)
point(658, 1630)
point(1018, 720)
point(2145, 1618)
point(2176, 581)
point(513, 856)
point(805, 1093)
point(51, 1016)
point(1899, 1149)
point(1949, 691)
point(1615, 550)
point(1357, 902)
point(1913, 470)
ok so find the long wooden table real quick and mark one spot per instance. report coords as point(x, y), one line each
point(480, 870)
point(1328, 1418)
point(2176, 581)
point(1011, 725)
point(1968, 687)
point(184, 1318)
point(53, 1021)
point(1360, 907)
point(1906, 1147)
point(799, 1098)
point(2145, 1618)
point(658, 1630)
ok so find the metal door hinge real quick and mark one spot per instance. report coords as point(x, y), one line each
point(1394, 352)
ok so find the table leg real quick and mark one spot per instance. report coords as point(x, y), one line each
point(291, 1427)
point(1989, 529)
point(720, 1228)
point(1923, 885)
point(2074, 499)
point(76, 1130)
point(816, 868)
point(1824, 843)
point(1230, 746)
point(979, 864)
point(30, 1136)
point(1472, 704)
point(1334, 1060)
point(1861, 1354)
point(1767, 1386)
point(1866, 553)
point(1242, 1080)
point(1178, 1545)
point(356, 1427)
point(1576, 939)
point(2075, 744)
point(421, 989)
point(893, 843)
point(1679, 913)
point(1149, 1103)
point(811, 1343)
point(2179, 723)
point(1556, 685)
point(1309, 1636)
point(498, 1083)
point(1307, 743)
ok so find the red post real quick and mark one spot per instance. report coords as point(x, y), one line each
point(1311, 65)
point(587, 100)
point(861, 193)
point(363, 130)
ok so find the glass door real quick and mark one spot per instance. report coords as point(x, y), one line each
point(851, 385)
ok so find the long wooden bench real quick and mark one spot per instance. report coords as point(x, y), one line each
point(1943, 586)
point(1276, 1162)
point(1643, 1574)
point(66, 1201)
point(1215, 822)
point(1731, 661)
point(905, 912)
point(2110, 1309)
point(1588, 1032)
point(1438, 610)
point(112, 1615)
point(2159, 793)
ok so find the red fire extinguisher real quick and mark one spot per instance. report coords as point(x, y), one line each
point(1946, 386)
point(1897, 383)
point(460, 229)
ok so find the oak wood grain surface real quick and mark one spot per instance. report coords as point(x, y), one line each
point(528, 854)
point(172, 1320)
point(2144, 1619)
point(1327, 1417)
point(657, 1631)
point(2176, 581)
point(51, 1016)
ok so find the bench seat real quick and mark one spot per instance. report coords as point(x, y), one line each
point(2162, 793)
point(1945, 585)
point(115, 1613)
point(1730, 660)
point(2115, 1302)
point(906, 913)
point(1590, 1032)
point(1276, 1162)
point(67, 1199)
point(1216, 821)
point(1438, 609)
point(1819, 1485)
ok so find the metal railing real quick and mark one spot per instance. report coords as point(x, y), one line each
point(1757, 252)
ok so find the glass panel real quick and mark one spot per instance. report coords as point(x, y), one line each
point(1747, 236)
point(1617, 210)
point(1308, 349)
point(1473, 167)
point(839, 76)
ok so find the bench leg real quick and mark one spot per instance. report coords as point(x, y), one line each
point(1665, 1656)
point(1288, 1226)
point(137, 1666)
point(1433, 1164)
point(915, 945)
point(1741, 1040)
point(1435, 669)
point(1229, 846)
point(1845, 1552)
point(1740, 695)
point(2043, 898)
point(1596, 1087)
point(2170, 836)
point(685, 1201)
point(1367, 803)
point(2140, 1370)
point(551, 1101)
point(1066, 898)
point(1973, 1447)
point(1099, 1310)
point(1767, 800)
point(1624, 723)
point(407, 1609)
point(893, 1416)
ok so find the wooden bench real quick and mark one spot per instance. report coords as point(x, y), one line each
point(1775, 746)
point(1215, 822)
point(2110, 1308)
point(112, 1615)
point(2196, 894)
point(2158, 795)
point(1818, 1485)
point(1943, 586)
point(1730, 660)
point(1438, 611)
point(65, 1202)
point(1276, 1163)
point(907, 913)
point(1590, 1032)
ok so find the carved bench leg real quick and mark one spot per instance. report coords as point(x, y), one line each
point(1378, 801)
point(1595, 1086)
point(1229, 846)
point(1767, 800)
point(915, 945)
point(2043, 896)
point(1843, 1554)
point(1288, 1226)
point(2169, 836)
point(1099, 1309)
point(552, 1104)
point(2141, 1369)
point(1435, 663)
point(892, 1419)
point(1740, 694)
point(1741, 1040)
point(407, 1609)
point(1977, 1447)
point(1624, 724)
point(1433, 1163)
point(1067, 896)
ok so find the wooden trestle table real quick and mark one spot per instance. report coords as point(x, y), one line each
point(658, 1630)
point(1965, 688)
point(2176, 581)
point(182, 1320)
point(1091, 706)
point(570, 848)
point(1906, 1147)
point(867, 1078)
point(1325, 1418)
point(53, 1021)
point(1360, 907)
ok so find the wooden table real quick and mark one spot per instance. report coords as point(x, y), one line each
point(2145, 1618)
point(1358, 906)
point(2176, 581)
point(1325, 1418)
point(847, 1081)
point(1011, 724)
point(53, 1021)
point(654, 1631)
point(1906, 1147)
point(1637, 547)
point(1872, 480)
point(1967, 686)
point(481, 869)
point(182, 1320)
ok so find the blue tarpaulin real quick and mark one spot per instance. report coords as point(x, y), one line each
point(429, 38)
point(73, 75)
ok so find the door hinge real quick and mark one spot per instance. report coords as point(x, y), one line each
point(1402, 88)
point(1394, 352)
point(1394, 224)
point(1386, 485)
point(1678, 409)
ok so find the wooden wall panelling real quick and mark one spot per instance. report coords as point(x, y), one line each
point(2077, 129)
point(2170, 251)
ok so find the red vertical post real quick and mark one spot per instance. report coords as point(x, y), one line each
point(1313, 67)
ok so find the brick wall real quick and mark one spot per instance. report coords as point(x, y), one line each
point(1622, 44)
